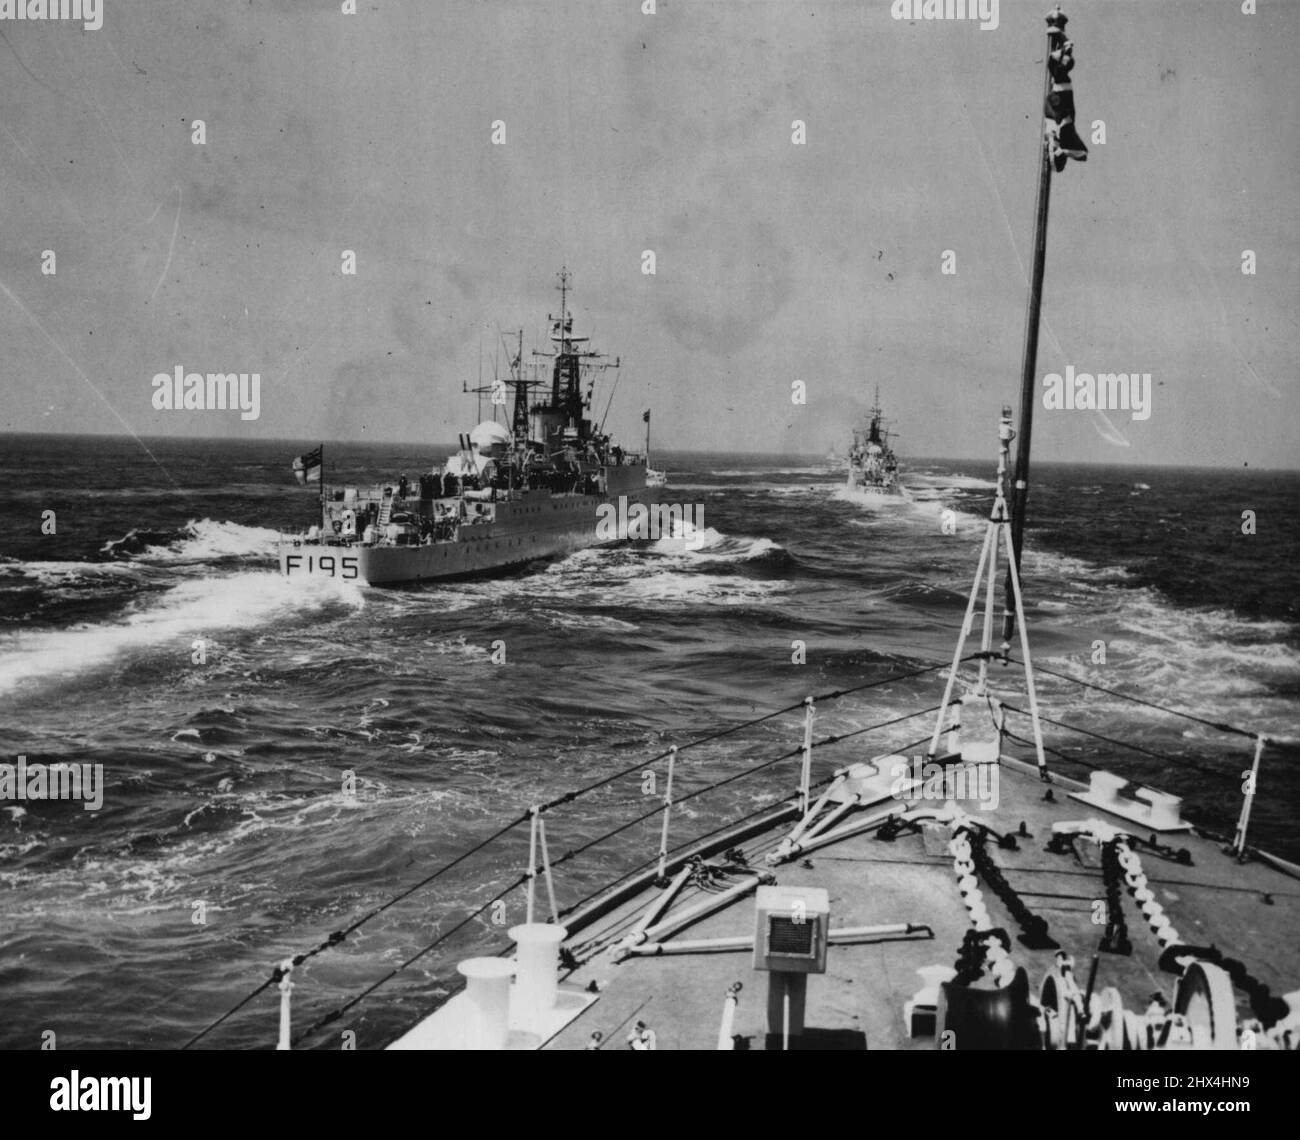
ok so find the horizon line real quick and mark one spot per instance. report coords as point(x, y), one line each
point(450, 445)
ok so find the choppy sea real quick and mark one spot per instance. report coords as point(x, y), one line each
point(228, 838)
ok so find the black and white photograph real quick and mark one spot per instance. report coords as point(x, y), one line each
point(650, 525)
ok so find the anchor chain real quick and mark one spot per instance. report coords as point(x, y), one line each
point(1033, 927)
point(976, 947)
point(1267, 1008)
point(1116, 939)
point(984, 946)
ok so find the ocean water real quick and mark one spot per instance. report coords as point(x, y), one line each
point(228, 838)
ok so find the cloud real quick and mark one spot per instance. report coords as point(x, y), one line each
point(722, 279)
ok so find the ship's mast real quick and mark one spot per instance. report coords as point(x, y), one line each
point(519, 420)
point(1056, 21)
point(565, 378)
point(875, 431)
point(566, 410)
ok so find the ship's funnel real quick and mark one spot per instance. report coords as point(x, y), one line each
point(487, 998)
point(537, 986)
point(489, 436)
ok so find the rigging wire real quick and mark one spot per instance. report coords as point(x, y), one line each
point(339, 1011)
point(1221, 726)
point(835, 694)
point(338, 936)
point(1163, 756)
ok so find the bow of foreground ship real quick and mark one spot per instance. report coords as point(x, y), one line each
point(544, 485)
point(958, 891)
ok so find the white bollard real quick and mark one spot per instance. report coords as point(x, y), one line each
point(1165, 809)
point(537, 952)
point(1104, 786)
point(487, 994)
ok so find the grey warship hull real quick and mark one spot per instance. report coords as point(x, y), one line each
point(497, 535)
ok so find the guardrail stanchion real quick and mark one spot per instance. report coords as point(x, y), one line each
point(1248, 799)
point(546, 868)
point(534, 815)
point(668, 808)
point(805, 775)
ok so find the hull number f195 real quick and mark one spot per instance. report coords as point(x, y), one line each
point(335, 565)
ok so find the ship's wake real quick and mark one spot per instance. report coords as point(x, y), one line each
point(200, 540)
point(167, 623)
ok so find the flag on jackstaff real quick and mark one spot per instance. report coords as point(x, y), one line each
point(1063, 141)
point(646, 415)
point(306, 468)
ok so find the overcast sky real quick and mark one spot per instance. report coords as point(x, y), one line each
point(672, 132)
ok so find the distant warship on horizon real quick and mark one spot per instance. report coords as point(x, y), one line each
point(873, 467)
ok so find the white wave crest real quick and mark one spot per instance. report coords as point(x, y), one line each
point(711, 544)
point(56, 574)
point(693, 588)
point(206, 540)
point(193, 608)
point(954, 482)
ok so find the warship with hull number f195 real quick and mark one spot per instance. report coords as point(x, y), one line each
point(510, 495)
